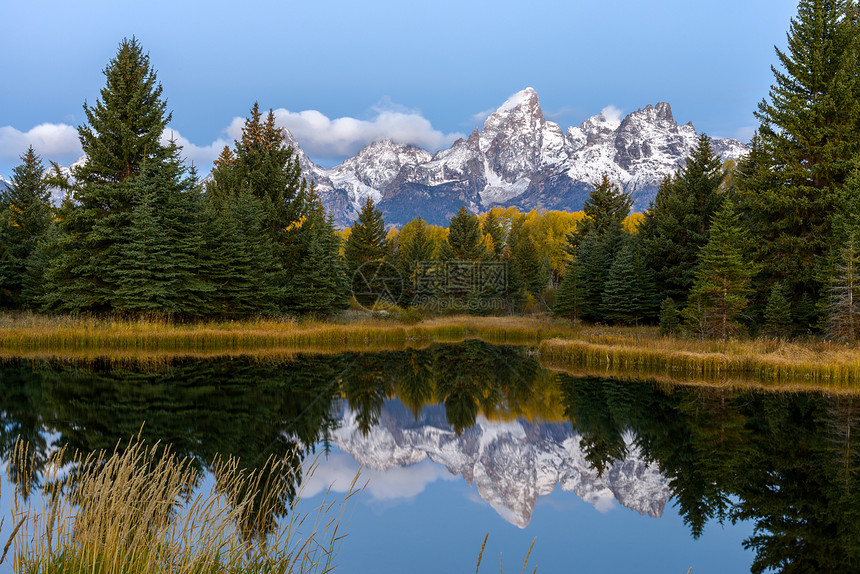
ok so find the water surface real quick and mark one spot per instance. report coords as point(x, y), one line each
point(463, 439)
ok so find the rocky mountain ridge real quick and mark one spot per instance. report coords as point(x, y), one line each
point(511, 464)
point(517, 159)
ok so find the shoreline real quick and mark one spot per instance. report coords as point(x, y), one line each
point(615, 351)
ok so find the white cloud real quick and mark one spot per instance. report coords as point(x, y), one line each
point(602, 500)
point(401, 483)
point(612, 113)
point(321, 136)
point(201, 156)
point(48, 140)
point(317, 134)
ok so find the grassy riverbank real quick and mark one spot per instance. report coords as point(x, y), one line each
point(641, 352)
point(23, 333)
point(615, 350)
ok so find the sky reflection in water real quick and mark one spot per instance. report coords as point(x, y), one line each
point(571, 461)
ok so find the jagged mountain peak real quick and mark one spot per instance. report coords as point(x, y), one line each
point(516, 141)
point(516, 159)
point(379, 163)
point(526, 98)
point(406, 153)
point(658, 115)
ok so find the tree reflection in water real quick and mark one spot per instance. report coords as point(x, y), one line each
point(787, 461)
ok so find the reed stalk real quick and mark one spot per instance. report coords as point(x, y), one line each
point(135, 510)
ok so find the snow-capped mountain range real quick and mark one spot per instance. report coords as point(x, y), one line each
point(517, 159)
point(511, 464)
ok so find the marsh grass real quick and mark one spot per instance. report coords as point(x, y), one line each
point(135, 510)
point(631, 350)
point(22, 333)
point(501, 558)
point(767, 362)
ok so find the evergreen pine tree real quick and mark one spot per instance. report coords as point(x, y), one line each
point(123, 131)
point(621, 298)
point(159, 260)
point(146, 274)
point(719, 295)
point(25, 216)
point(318, 284)
point(567, 299)
point(415, 253)
point(366, 242)
point(670, 317)
point(777, 314)
point(605, 211)
point(465, 241)
point(810, 131)
point(648, 306)
point(371, 276)
point(530, 266)
point(593, 262)
point(805, 315)
point(37, 290)
point(676, 225)
point(263, 164)
point(240, 257)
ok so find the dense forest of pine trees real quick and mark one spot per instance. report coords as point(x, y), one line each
point(767, 246)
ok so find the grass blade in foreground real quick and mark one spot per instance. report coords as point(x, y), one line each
point(134, 510)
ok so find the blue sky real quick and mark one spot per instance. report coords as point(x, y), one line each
point(342, 73)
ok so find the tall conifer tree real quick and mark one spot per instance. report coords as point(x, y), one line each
point(366, 240)
point(622, 296)
point(123, 131)
point(25, 216)
point(810, 131)
point(160, 259)
point(465, 241)
point(416, 249)
point(240, 257)
point(677, 224)
point(605, 211)
point(318, 283)
point(720, 292)
point(263, 164)
point(567, 298)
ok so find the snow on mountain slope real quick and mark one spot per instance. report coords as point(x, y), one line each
point(519, 159)
point(516, 159)
point(511, 464)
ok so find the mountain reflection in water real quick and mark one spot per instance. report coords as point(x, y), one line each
point(510, 463)
point(491, 414)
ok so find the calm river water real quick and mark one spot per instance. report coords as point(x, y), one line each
point(459, 440)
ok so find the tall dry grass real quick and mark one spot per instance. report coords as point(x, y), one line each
point(26, 333)
point(768, 361)
point(135, 510)
point(637, 350)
